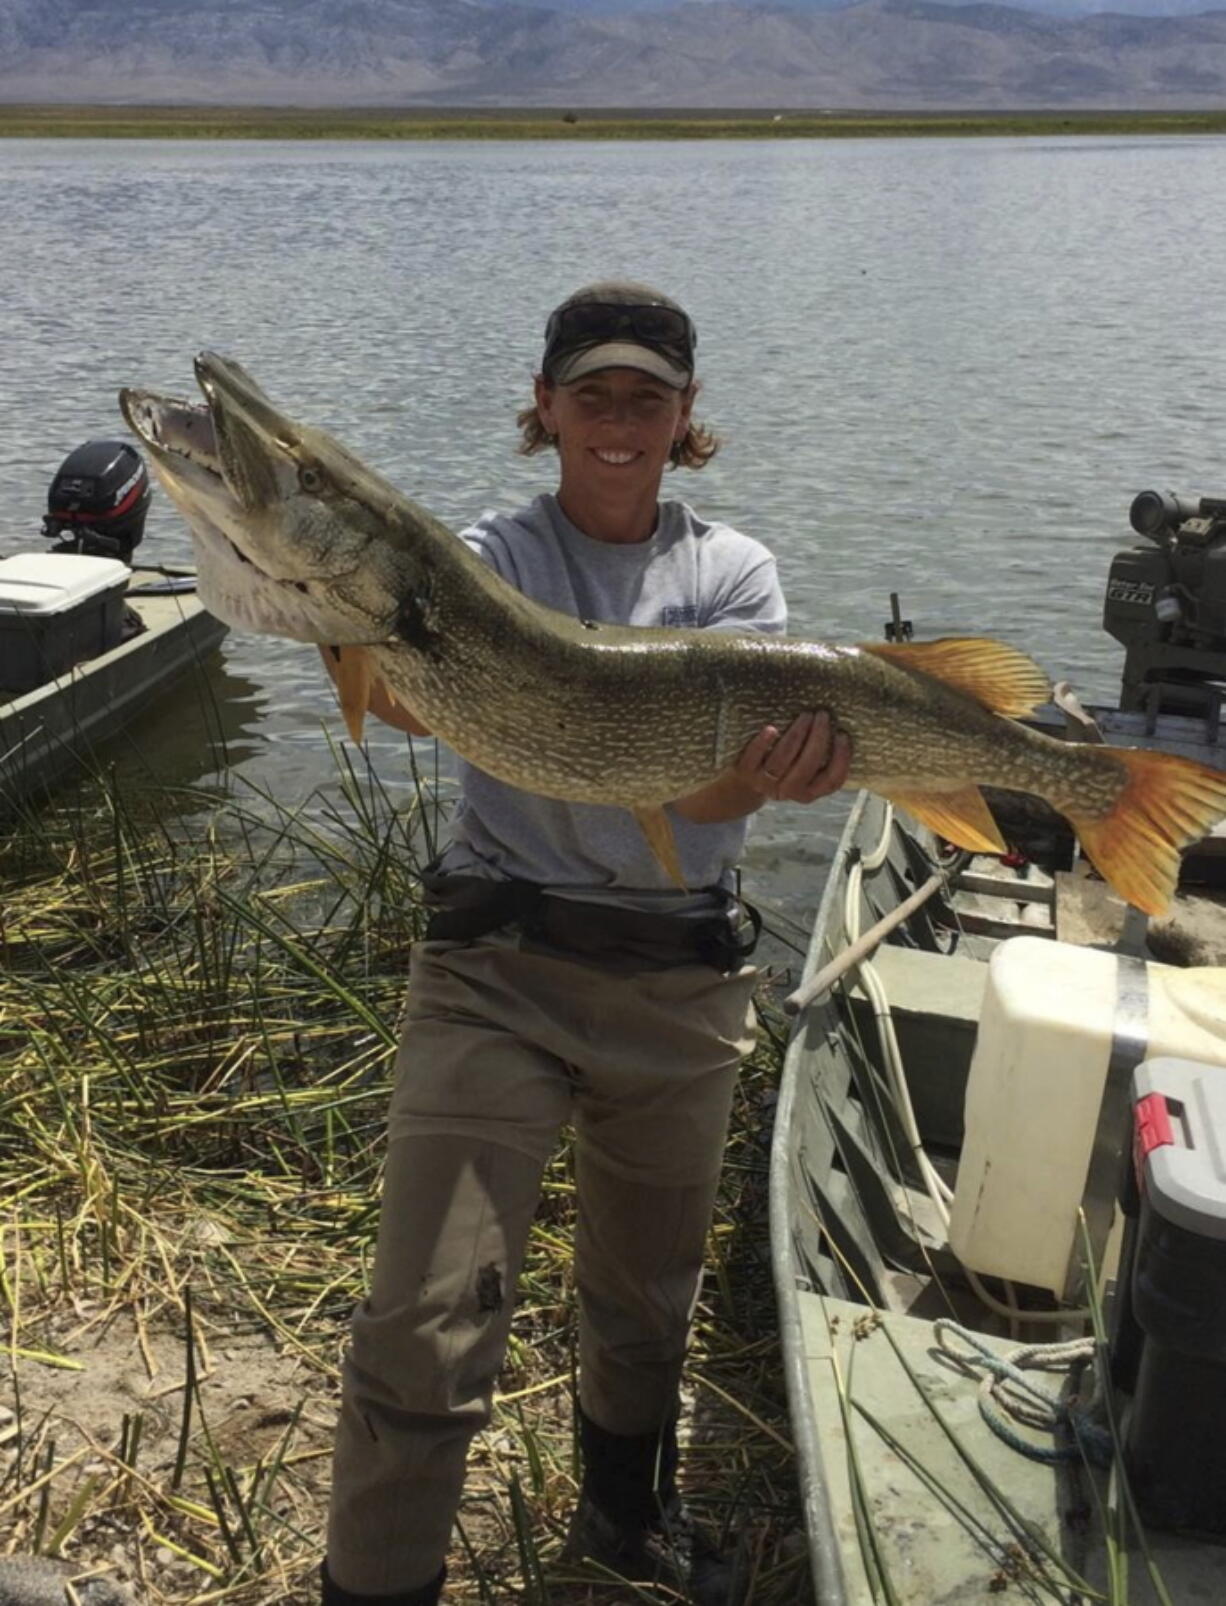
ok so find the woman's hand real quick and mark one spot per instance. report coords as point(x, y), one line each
point(810, 759)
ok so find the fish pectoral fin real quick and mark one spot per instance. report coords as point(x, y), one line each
point(354, 678)
point(961, 817)
point(1000, 677)
point(393, 697)
point(658, 829)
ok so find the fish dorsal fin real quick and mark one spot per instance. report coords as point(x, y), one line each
point(962, 818)
point(1000, 677)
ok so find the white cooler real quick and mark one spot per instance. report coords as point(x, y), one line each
point(1047, 1098)
point(56, 608)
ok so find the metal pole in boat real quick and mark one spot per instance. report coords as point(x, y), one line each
point(826, 977)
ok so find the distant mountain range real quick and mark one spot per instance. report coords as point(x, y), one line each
point(1055, 8)
point(901, 54)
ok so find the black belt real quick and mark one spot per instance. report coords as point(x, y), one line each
point(463, 908)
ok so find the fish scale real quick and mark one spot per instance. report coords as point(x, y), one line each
point(294, 536)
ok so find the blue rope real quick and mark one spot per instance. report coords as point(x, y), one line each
point(1007, 1395)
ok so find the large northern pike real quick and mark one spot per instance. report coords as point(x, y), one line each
point(297, 538)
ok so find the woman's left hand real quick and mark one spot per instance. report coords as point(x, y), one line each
point(808, 760)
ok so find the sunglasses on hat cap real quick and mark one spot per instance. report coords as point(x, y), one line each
point(580, 325)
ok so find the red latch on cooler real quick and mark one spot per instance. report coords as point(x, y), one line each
point(1151, 1130)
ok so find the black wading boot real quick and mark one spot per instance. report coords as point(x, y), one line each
point(631, 1519)
point(333, 1595)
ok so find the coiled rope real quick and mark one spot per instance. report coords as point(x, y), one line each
point(1008, 1397)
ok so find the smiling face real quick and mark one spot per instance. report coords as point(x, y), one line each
point(615, 429)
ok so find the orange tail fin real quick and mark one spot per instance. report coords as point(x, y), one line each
point(1167, 802)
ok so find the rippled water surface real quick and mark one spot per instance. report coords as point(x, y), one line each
point(940, 367)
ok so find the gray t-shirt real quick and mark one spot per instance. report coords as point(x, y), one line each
point(690, 573)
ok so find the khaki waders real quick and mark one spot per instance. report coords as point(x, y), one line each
point(501, 1048)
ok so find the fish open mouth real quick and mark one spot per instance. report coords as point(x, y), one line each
point(176, 433)
point(229, 456)
point(187, 443)
point(232, 465)
point(181, 438)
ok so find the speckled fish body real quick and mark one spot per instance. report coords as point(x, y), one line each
point(588, 712)
point(296, 537)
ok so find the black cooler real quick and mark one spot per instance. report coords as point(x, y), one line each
point(1168, 1338)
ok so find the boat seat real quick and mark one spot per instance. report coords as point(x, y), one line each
point(935, 1000)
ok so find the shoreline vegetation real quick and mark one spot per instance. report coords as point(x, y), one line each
point(199, 999)
point(436, 123)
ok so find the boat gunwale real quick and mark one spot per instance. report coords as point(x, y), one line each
point(829, 1576)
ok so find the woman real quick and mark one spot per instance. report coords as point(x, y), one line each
point(565, 978)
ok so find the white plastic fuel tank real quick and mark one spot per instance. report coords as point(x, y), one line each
point(1061, 1031)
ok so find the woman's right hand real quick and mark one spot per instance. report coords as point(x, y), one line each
point(810, 759)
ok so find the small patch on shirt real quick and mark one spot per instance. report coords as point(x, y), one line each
point(679, 616)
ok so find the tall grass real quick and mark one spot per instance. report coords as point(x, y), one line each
point(198, 1010)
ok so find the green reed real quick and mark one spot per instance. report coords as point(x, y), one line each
point(551, 124)
point(198, 1013)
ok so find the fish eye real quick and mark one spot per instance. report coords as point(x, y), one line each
point(310, 478)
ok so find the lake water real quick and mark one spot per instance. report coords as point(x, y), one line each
point(940, 367)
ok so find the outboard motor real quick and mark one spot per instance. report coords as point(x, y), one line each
point(99, 500)
point(1167, 604)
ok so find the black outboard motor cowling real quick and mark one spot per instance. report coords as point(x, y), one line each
point(98, 501)
point(1166, 602)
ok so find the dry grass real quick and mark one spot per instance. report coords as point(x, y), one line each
point(197, 1013)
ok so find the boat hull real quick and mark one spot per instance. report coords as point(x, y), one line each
point(58, 728)
point(861, 1259)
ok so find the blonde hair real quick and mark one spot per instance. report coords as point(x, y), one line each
point(695, 449)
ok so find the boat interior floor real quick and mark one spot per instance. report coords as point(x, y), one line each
point(893, 1402)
